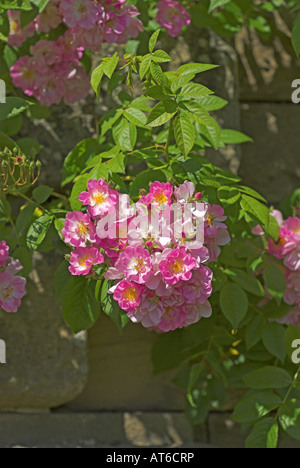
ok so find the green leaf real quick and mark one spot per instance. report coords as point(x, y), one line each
point(228, 195)
point(13, 107)
point(136, 116)
point(296, 36)
point(40, 4)
point(38, 231)
point(255, 406)
point(25, 257)
point(79, 186)
point(42, 193)
point(234, 304)
point(15, 4)
point(275, 281)
point(184, 134)
point(62, 278)
point(181, 81)
point(212, 103)
point(262, 434)
point(125, 135)
point(254, 331)
point(273, 339)
point(144, 179)
point(160, 56)
point(110, 65)
point(145, 65)
point(273, 434)
point(77, 159)
point(96, 79)
point(194, 90)
point(81, 309)
point(153, 40)
point(289, 418)
point(234, 137)
point(247, 282)
point(111, 308)
point(268, 377)
point(156, 73)
point(195, 68)
point(162, 113)
point(256, 210)
point(109, 119)
point(25, 217)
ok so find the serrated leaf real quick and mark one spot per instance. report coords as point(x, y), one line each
point(38, 231)
point(184, 134)
point(81, 309)
point(162, 113)
point(156, 73)
point(273, 339)
point(194, 90)
point(110, 65)
point(145, 66)
point(259, 436)
point(234, 304)
point(42, 193)
point(160, 56)
point(255, 406)
point(153, 40)
point(275, 281)
point(111, 308)
point(136, 116)
point(195, 68)
point(268, 377)
point(233, 137)
point(96, 79)
point(254, 331)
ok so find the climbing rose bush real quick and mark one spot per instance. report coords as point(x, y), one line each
point(287, 249)
point(54, 71)
point(12, 286)
point(161, 275)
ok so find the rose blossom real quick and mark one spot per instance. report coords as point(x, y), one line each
point(4, 253)
point(99, 198)
point(177, 266)
point(83, 259)
point(79, 229)
point(128, 295)
point(172, 16)
point(135, 263)
point(12, 290)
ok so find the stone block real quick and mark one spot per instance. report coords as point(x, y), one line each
point(46, 365)
point(271, 164)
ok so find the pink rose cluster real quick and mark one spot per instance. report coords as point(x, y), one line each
point(53, 71)
point(12, 286)
point(172, 16)
point(287, 249)
point(161, 280)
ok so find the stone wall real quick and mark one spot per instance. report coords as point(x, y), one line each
point(47, 366)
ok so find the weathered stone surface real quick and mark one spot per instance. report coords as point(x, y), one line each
point(267, 69)
point(97, 430)
point(46, 365)
point(121, 373)
point(271, 164)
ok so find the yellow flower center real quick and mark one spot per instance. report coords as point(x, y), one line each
point(82, 9)
point(139, 264)
point(130, 294)
point(15, 27)
point(82, 229)
point(176, 266)
point(99, 198)
point(83, 260)
point(210, 220)
point(8, 293)
point(160, 198)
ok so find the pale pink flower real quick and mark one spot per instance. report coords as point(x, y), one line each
point(293, 318)
point(214, 219)
point(128, 295)
point(199, 288)
point(51, 90)
point(49, 18)
point(177, 267)
point(83, 13)
point(79, 229)
point(45, 53)
point(77, 85)
point(149, 313)
point(173, 319)
point(161, 193)
point(12, 290)
point(24, 75)
point(292, 294)
point(99, 198)
point(185, 191)
point(133, 25)
point(292, 259)
point(83, 259)
point(172, 16)
point(17, 35)
point(4, 253)
point(114, 25)
point(194, 313)
point(135, 262)
point(86, 38)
